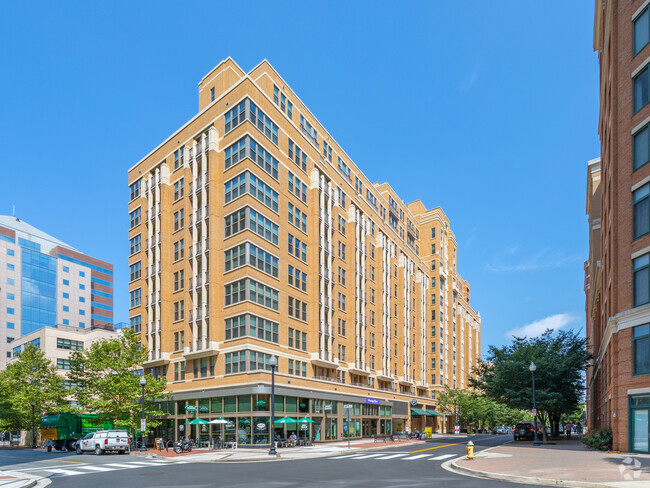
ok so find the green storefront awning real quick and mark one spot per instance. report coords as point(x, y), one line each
point(431, 413)
point(418, 411)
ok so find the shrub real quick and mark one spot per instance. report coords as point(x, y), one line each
point(599, 439)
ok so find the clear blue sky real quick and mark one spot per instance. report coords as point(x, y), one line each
point(487, 109)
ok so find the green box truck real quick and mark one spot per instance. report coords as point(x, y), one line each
point(63, 429)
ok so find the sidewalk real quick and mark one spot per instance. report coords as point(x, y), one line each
point(12, 479)
point(288, 453)
point(563, 463)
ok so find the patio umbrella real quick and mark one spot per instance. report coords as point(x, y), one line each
point(306, 420)
point(286, 420)
point(220, 421)
point(196, 422)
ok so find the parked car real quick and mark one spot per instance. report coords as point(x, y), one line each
point(503, 430)
point(103, 441)
point(524, 430)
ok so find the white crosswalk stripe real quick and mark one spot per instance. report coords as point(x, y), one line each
point(444, 456)
point(397, 456)
point(90, 469)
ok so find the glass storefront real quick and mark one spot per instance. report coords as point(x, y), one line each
point(640, 424)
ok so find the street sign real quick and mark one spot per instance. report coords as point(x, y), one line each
point(347, 405)
point(457, 429)
point(143, 424)
point(534, 412)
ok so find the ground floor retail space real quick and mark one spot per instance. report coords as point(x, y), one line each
point(639, 423)
point(243, 415)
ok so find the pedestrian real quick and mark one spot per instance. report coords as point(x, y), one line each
point(579, 428)
point(568, 428)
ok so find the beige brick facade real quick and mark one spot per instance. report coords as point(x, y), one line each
point(278, 244)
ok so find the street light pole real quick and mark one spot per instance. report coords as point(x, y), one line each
point(33, 426)
point(143, 381)
point(273, 362)
point(532, 369)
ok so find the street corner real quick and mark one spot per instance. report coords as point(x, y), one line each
point(16, 479)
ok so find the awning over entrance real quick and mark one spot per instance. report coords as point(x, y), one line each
point(431, 413)
point(418, 411)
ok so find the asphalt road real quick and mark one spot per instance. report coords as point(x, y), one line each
point(412, 467)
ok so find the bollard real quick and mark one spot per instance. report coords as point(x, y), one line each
point(470, 450)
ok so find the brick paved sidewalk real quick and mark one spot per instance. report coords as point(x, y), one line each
point(566, 461)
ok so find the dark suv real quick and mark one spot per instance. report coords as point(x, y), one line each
point(524, 430)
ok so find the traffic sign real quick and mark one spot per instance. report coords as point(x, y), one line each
point(143, 425)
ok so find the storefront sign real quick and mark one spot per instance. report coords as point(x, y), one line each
point(260, 403)
point(304, 427)
point(327, 407)
point(347, 405)
point(261, 426)
point(373, 401)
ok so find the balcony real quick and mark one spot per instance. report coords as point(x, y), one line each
point(324, 359)
point(358, 369)
point(385, 377)
point(156, 358)
point(200, 348)
point(328, 378)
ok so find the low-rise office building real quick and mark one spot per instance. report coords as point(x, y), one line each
point(253, 235)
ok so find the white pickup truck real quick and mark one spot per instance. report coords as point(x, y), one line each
point(104, 440)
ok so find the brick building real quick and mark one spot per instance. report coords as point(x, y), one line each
point(617, 274)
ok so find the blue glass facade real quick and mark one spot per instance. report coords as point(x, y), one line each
point(38, 290)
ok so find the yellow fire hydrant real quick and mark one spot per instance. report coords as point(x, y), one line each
point(470, 450)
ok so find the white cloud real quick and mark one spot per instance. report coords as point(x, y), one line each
point(469, 81)
point(542, 260)
point(537, 328)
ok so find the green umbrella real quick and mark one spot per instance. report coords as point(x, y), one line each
point(306, 420)
point(196, 422)
point(286, 420)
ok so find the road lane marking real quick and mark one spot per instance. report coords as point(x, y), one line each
point(65, 472)
point(118, 465)
point(411, 458)
point(444, 456)
point(96, 468)
point(71, 462)
point(366, 456)
point(437, 447)
point(348, 456)
point(392, 456)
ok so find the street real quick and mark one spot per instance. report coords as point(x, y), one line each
point(395, 467)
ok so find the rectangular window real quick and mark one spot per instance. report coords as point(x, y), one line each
point(135, 271)
point(179, 219)
point(69, 344)
point(66, 282)
point(641, 279)
point(10, 252)
point(297, 155)
point(297, 218)
point(251, 219)
point(641, 349)
point(345, 169)
point(308, 130)
point(135, 297)
point(641, 89)
point(134, 218)
point(297, 187)
point(179, 250)
point(212, 94)
point(253, 326)
point(253, 291)
point(135, 244)
point(179, 189)
point(641, 149)
point(297, 278)
point(179, 310)
point(179, 159)
point(179, 280)
point(641, 211)
point(63, 364)
point(297, 248)
point(248, 253)
point(134, 190)
point(135, 323)
point(297, 309)
point(641, 32)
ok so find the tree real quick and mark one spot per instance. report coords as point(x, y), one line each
point(31, 378)
point(561, 360)
point(106, 381)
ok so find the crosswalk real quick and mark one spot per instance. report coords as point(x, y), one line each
point(398, 456)
point(81, 469)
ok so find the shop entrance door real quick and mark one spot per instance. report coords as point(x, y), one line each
point(640, 424)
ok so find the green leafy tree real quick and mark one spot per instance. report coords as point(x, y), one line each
point(31, 378)
point(561, 360)
point(106, 382)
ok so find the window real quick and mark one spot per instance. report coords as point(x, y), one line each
point(179, 158)
point(641, 279)
point(179, 280)
point(345, 169)
point(212, 94)
point(297, 155)
point(341, 302)
point(82, 300)
point(297, 309)
point(135, 297)
point(358, 185)
point(641, 349)
point(179, 340)
point(251, 219)
point(11, 311)
point(247, 147)
point(297, 218)
point(179, 189)
point(237, 362)
point(341, 250)
point(249, 183)
point(179, 219)
point(11, 325)
point(297, 187)
point(134, 271)
point(82, 312)
point(10, 252)
point(252, 255)
point(179, 310)
point(641, 150)
point(135, 244)
point(69, 344)
point(248, 289)
point(135, 323)
point(641, 211)
point(308, 130)
point(11, 296)
point(341, 198)
point(253, 326)
point(341, 276)
point(63, 364)
point(433, 232)
point(641, 89)
point(641, 31)
point(134, 190)
point(341, 225)
point(134, 218)
point(82, 287)
point(297, 248)
point(297, 278)
point(179, 249)
point(327, 151)
point(342, 327)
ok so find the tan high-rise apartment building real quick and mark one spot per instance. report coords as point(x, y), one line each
point(257, 236)
point(617, 274)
